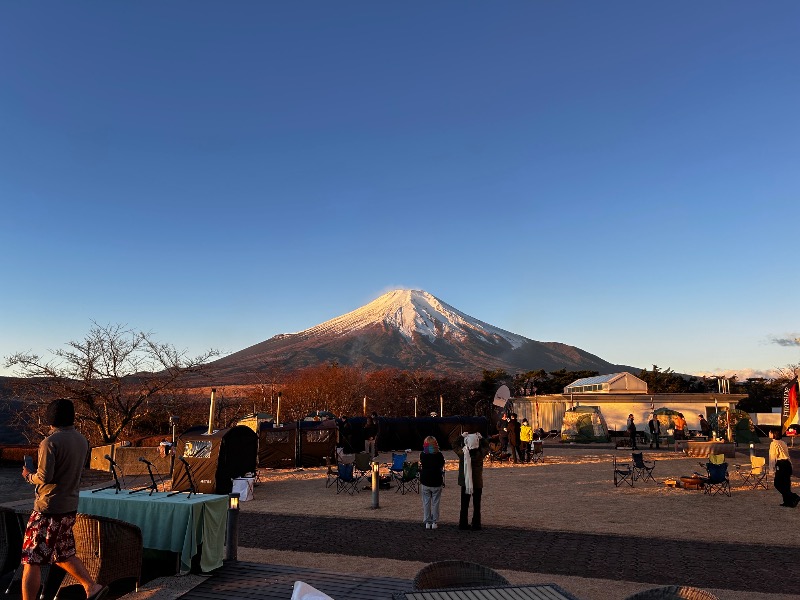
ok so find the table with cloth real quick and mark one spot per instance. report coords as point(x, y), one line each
point(178, 523)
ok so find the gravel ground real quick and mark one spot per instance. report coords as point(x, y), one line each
point(560, 521)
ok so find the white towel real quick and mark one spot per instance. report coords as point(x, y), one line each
point(471, 441)
point(303, 591)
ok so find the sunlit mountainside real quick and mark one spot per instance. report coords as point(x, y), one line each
point(407, 329)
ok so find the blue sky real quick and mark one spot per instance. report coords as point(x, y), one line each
point(622, 177)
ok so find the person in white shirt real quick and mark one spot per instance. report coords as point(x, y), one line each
point(781, 467)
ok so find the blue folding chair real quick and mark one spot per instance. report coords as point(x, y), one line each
point(346, 478)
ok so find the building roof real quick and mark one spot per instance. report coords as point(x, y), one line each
point(597, 379)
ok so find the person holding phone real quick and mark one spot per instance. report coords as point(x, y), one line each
point(48, 535)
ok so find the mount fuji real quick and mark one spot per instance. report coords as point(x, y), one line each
point(407, 329)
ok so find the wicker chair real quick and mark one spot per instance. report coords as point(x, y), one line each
point(673, 592)
point(456, 574)
point(109, 549)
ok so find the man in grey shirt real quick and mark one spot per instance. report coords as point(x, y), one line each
point(48, 536)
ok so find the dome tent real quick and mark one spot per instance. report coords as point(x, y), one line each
point(741, 426)
point(666, 417)
point(584, 424)
point(214, 460)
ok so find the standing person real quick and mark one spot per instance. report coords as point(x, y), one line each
point(654, 425)
point(502, 430)
point(378, 432)
point(705, 428)
point(370, 433)
point(781, 467)
point(48, 536)
point(525, 439)
point(431, 463)
point(471, 449)
point(513, 437)
point(632, 432)
point(680, 429)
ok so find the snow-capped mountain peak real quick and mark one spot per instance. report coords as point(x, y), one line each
point(415, 312)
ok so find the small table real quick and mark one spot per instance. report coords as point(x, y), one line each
point(548, 591)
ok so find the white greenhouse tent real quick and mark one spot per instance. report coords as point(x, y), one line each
point(614, 383)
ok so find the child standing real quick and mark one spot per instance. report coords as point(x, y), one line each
point(431, 463)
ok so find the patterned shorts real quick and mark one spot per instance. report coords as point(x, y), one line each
point(48, 539)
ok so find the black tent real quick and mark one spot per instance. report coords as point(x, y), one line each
point(401, 433)
point(281, 447)
point(215, 459)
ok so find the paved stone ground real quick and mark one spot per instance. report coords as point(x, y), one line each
point(611, 557)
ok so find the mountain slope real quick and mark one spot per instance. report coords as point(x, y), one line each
point(408, 329)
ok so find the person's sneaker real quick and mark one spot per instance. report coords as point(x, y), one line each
point(434, 526)
point(428, 526)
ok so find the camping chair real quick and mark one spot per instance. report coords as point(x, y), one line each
point(717, 480)
point(643, 468)
point(716, 459)
point(396, 466)
point(346, 478)
point(537, 451)
point(408, 479)
point(456, 574)
point(495, 451)
point(623, 473)
point(363, 464)
point(757, 475)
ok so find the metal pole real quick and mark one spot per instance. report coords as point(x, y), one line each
point(211, 413)
point(278, 413)
point(415, 407)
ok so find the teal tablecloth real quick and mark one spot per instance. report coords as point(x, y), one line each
point(176, 523)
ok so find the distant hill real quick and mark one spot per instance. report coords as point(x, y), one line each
point(407, 329)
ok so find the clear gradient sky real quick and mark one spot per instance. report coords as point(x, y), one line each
point(619, 176)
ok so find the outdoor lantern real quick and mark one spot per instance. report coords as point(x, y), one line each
point(376, 482)
point(232, 534)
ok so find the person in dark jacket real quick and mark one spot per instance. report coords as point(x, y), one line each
point(471, 449)
point(502, 431)
point(370, 433)
point(431, 472)
point(655, 430)
point(632, 432)
point(514, 428)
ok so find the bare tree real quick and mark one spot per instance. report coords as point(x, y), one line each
point(112, 375)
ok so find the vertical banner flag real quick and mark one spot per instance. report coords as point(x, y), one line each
point(790, 393)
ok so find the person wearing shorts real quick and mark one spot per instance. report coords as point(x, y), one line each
point(48, 537)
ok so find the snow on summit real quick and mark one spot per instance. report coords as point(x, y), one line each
point(415, 312)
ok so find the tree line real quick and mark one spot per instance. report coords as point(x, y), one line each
point(127, 385)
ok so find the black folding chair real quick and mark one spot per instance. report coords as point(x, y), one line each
point(623, 473)
point(717, 480)
point(643, 469)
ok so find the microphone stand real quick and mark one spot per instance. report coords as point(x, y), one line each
point(153, 487)
point(114, 485)
point(192, 489)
